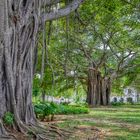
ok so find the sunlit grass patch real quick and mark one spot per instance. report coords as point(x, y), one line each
point(119, 123)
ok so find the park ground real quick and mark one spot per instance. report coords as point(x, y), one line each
point(104, 123)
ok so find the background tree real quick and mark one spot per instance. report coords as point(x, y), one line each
point(99, 48)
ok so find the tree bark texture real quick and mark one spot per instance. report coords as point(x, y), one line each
point(99, 88)
point(16, 63)
point(20, 22)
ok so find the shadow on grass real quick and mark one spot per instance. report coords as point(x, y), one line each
point(121, 123)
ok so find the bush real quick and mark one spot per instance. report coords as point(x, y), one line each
point(71, 110)
point(8, 118)
point(117, 103)
point(43, 110)
point(121, 103)
point(79, 104)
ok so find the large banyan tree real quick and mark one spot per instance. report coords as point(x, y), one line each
point(20, 22)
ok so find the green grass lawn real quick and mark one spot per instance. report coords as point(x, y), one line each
point(117, 123)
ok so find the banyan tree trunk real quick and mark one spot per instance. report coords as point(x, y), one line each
point(99, 88)
point(20, 21)
point(105, 91)
point(17, 43)
point(93, 82)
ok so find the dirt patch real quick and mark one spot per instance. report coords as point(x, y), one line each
point(83, 132)
point(15, 135)
point(80, 132)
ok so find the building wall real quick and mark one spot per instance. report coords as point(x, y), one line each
point(129, 94)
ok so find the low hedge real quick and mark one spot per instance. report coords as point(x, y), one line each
point(67, 109)
point(43, 110)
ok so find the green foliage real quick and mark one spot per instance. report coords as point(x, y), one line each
point(117, 103)
point(8, 118)
point(121, 103)
point(43, 110)
point(100, 31)
point(81, 104)
point(67, 109)
point(36, 86)
point(116, 119)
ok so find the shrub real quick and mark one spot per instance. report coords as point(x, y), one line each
point(43, 110)
point(117, 103)
point(79, 104)
point(8, 118)
point(70, 109)
point(39, 110)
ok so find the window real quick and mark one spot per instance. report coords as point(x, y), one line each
point(121, 100)
point(129, 92)
point(130, 100)
point(115, 99)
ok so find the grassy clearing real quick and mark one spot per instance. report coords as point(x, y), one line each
point(118, 123)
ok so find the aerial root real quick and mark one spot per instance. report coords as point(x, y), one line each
point(48, 132)
point(8, 137)
point(39, 132)
point(60, 131)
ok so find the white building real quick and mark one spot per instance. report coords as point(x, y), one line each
point(58, 100)
point(130, 95)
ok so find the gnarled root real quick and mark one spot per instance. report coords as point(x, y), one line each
point(36, 132)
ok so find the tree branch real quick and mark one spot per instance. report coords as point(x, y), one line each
point(62, 12)
point(51, 2)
